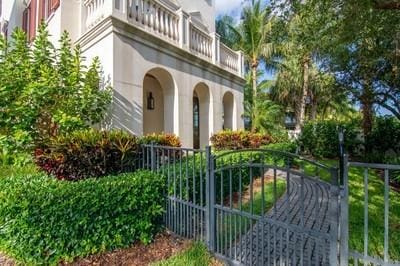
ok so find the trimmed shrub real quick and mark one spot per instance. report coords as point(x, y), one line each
point(44, 220)
point(236, 140)
point(383, 143)
point(320, 138)
point(89, 153)
point(164, 139)
point(289, 147)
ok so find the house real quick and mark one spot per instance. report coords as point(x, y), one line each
point(168, 68)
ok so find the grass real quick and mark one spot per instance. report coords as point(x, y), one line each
point(233, 225)
point(375, 213)
point(196, 255)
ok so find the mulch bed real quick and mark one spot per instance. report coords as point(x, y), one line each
point(4, 261)
point(164, 246)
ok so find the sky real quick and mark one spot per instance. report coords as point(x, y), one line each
point(230, 7)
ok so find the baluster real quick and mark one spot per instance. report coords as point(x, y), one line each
point(196, 40)
point(177, 29)
point(171, 27)
point(203, 45)
point(139, 11)
point(168, 23)
point(144, 13)
point(156, 18)
point(191, 38)
point(135, 8)
point(161, 21)
point(151, 14)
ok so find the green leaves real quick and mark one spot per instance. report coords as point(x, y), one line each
point(88, 153)
point(320, 138)
point(44, 221)
point(46, 91)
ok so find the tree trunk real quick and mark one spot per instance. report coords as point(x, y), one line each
point(254, 66)
point(302, 107)
point(367, 109)
point(314, 109)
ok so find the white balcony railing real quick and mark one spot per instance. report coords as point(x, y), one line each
point(152, 16)
point(166, 20)
point(200, 42)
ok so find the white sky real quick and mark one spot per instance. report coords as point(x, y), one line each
point(230, 7)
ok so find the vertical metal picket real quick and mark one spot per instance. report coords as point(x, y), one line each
point(344, 214)
point(334, 216)
point(210, 200)
point(152, 157)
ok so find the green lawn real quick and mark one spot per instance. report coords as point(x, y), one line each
point(375, 213)
point(196, 255)
point(231, 225)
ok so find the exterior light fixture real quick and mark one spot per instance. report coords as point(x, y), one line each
point(150, 101)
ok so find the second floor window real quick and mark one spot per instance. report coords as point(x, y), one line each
point(47, 8)
point(31, 18)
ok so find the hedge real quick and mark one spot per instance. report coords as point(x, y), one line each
point(236, 140)
point(320, 138)
point(44, 220)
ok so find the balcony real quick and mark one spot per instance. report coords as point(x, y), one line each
point(169, 22)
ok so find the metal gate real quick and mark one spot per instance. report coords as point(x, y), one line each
point(273, 208)
point(251, 207)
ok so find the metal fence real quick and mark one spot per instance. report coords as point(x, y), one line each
point(251, 207)
point(383, 174)
point(186, 174)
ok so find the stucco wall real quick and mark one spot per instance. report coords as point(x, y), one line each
point(12, 12)
point(134, 57)
point(205, 7)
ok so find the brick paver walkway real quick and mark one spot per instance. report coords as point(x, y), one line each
point(294, 233)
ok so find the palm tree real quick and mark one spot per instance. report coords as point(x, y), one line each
point(254, 39)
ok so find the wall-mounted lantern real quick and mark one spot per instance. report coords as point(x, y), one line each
point(150, 101)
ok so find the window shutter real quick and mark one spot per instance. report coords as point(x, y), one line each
point(32, 20)
point(25, 16)
point(42, 12)
point(55, 4)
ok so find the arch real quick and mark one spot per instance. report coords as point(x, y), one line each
point(159, 85)
point(201, 96)
point(229, 114)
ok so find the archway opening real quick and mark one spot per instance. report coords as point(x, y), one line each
point(229, 107)
point(159, 104)
point(201, 115)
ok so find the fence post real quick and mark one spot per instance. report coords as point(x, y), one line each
point(341, 154)
point(210, 200)
point(152, 157)
point(334, 217)
point(344, 214)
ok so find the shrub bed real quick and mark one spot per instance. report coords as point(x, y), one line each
point(164, 139)
point(236, 140)
point(44, 220)
point(88, 153)
point(320, 138)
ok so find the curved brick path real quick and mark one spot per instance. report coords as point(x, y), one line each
point(275, 238)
